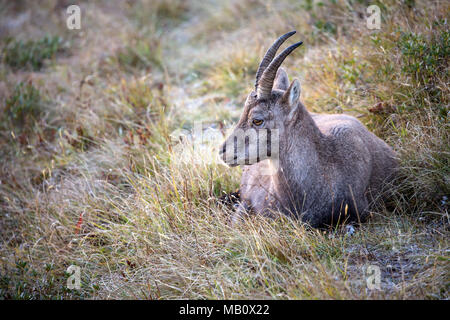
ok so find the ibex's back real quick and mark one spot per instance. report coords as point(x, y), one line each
point(319, 167)
point(382, 157)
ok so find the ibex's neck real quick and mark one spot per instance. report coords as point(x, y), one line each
point(301, 142)
point(299, 158)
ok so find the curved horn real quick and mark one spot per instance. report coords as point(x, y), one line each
point(268, 57)
point(266, 83)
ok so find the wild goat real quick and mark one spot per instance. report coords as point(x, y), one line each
point(322, 168)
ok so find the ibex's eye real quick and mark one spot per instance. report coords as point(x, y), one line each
point(258, 122)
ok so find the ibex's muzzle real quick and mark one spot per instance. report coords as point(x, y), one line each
point(229, 155)
point(246, 147)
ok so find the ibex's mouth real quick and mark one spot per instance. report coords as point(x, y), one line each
point(234, 164)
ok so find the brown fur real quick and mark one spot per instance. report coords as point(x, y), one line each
point(328, 164)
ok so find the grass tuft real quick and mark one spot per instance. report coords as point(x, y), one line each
point(24, 106)
point(31, 54)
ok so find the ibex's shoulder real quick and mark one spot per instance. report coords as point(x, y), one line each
point(337, 124)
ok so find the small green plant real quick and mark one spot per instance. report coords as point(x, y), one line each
point(422, 57)
point(326, 26)
point(352, 70)
point(31, 54)
point(141, 55)
point(24, 106)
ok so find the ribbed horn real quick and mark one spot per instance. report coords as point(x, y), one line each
point(266, 82)
point(268, 57)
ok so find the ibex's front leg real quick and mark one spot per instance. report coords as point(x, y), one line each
point(242, 210)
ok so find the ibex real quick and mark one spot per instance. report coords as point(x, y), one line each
point(323, 168)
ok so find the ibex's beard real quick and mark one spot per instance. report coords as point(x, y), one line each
point(249, 147)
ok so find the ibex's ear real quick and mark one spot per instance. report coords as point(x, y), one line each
point(281, 80)
point(291, 97)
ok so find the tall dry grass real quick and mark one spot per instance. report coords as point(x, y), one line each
point(93, 175)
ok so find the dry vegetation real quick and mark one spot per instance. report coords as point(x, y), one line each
point(92, 175)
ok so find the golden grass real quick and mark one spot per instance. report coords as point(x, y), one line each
point(101, 181)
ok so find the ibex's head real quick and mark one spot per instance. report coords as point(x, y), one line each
point(267, 111)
